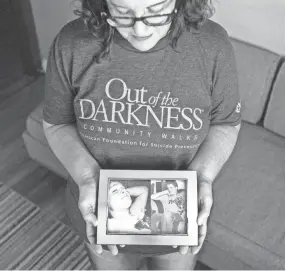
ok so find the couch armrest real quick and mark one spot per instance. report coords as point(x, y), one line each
point(44, 155)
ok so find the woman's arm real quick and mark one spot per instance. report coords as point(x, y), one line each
point(159, 194)
point(214, 151)
point(138, 206)
point(69, 148)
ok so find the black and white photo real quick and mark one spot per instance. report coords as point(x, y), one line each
point(169, 207)
point(142, 134)
point(127, 207)
point(147, 207)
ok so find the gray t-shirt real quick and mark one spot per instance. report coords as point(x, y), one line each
point(139, 110)
point(142, 110)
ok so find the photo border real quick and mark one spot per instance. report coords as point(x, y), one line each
point(189, 239)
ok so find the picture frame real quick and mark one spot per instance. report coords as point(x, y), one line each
point(147, 207)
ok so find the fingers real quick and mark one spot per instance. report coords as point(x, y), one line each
point(91, 218)
point(205, 201)
point(113, 249)
point(91, 224)
point(90, 233)
point(183, 250)
point(205, 206)
point(205, 209)
point(202, 236)
point(98, 249)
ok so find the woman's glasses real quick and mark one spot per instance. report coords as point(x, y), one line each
point(154, 20)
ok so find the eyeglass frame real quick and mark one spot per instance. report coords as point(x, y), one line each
point(143, 18)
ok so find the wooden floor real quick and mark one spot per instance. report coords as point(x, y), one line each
point(17, 169)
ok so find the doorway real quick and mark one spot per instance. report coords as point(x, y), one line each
point(19, 53)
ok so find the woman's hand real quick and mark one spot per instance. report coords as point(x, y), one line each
point(205, 201)
point(205, 198)
point(87, 206)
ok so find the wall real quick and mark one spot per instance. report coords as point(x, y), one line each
point(260, 22)
point(50, 16)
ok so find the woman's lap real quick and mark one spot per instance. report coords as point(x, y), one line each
point(123, 261)
point(173, 261)
point(107, 261)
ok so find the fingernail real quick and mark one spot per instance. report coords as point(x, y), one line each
point(185, 251)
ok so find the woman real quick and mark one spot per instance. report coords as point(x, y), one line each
point(140, 85)
point(127, 216)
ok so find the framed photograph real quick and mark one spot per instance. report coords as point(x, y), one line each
point(147, 207)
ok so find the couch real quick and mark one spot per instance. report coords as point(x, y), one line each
point(246, 226)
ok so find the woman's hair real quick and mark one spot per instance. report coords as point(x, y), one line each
point(191, 14)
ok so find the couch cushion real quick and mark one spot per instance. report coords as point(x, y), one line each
point(256, 70)
point(44, 155)
point(275, 114)
point(247, 220)
point(37, 144)
point(34, 124)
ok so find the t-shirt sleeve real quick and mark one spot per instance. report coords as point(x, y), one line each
point(59, 96)
point(226, 103)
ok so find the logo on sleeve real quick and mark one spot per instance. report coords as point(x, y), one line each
point(238, 108)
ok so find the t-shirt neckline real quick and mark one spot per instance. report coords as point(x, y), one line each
point(118, 39)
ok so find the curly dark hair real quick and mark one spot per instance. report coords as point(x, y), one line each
point(191, 14)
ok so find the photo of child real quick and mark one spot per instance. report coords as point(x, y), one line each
point(129, 207)
point(168, 203)
point(147, 207)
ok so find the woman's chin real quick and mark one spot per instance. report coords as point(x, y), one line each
point(143, 46)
